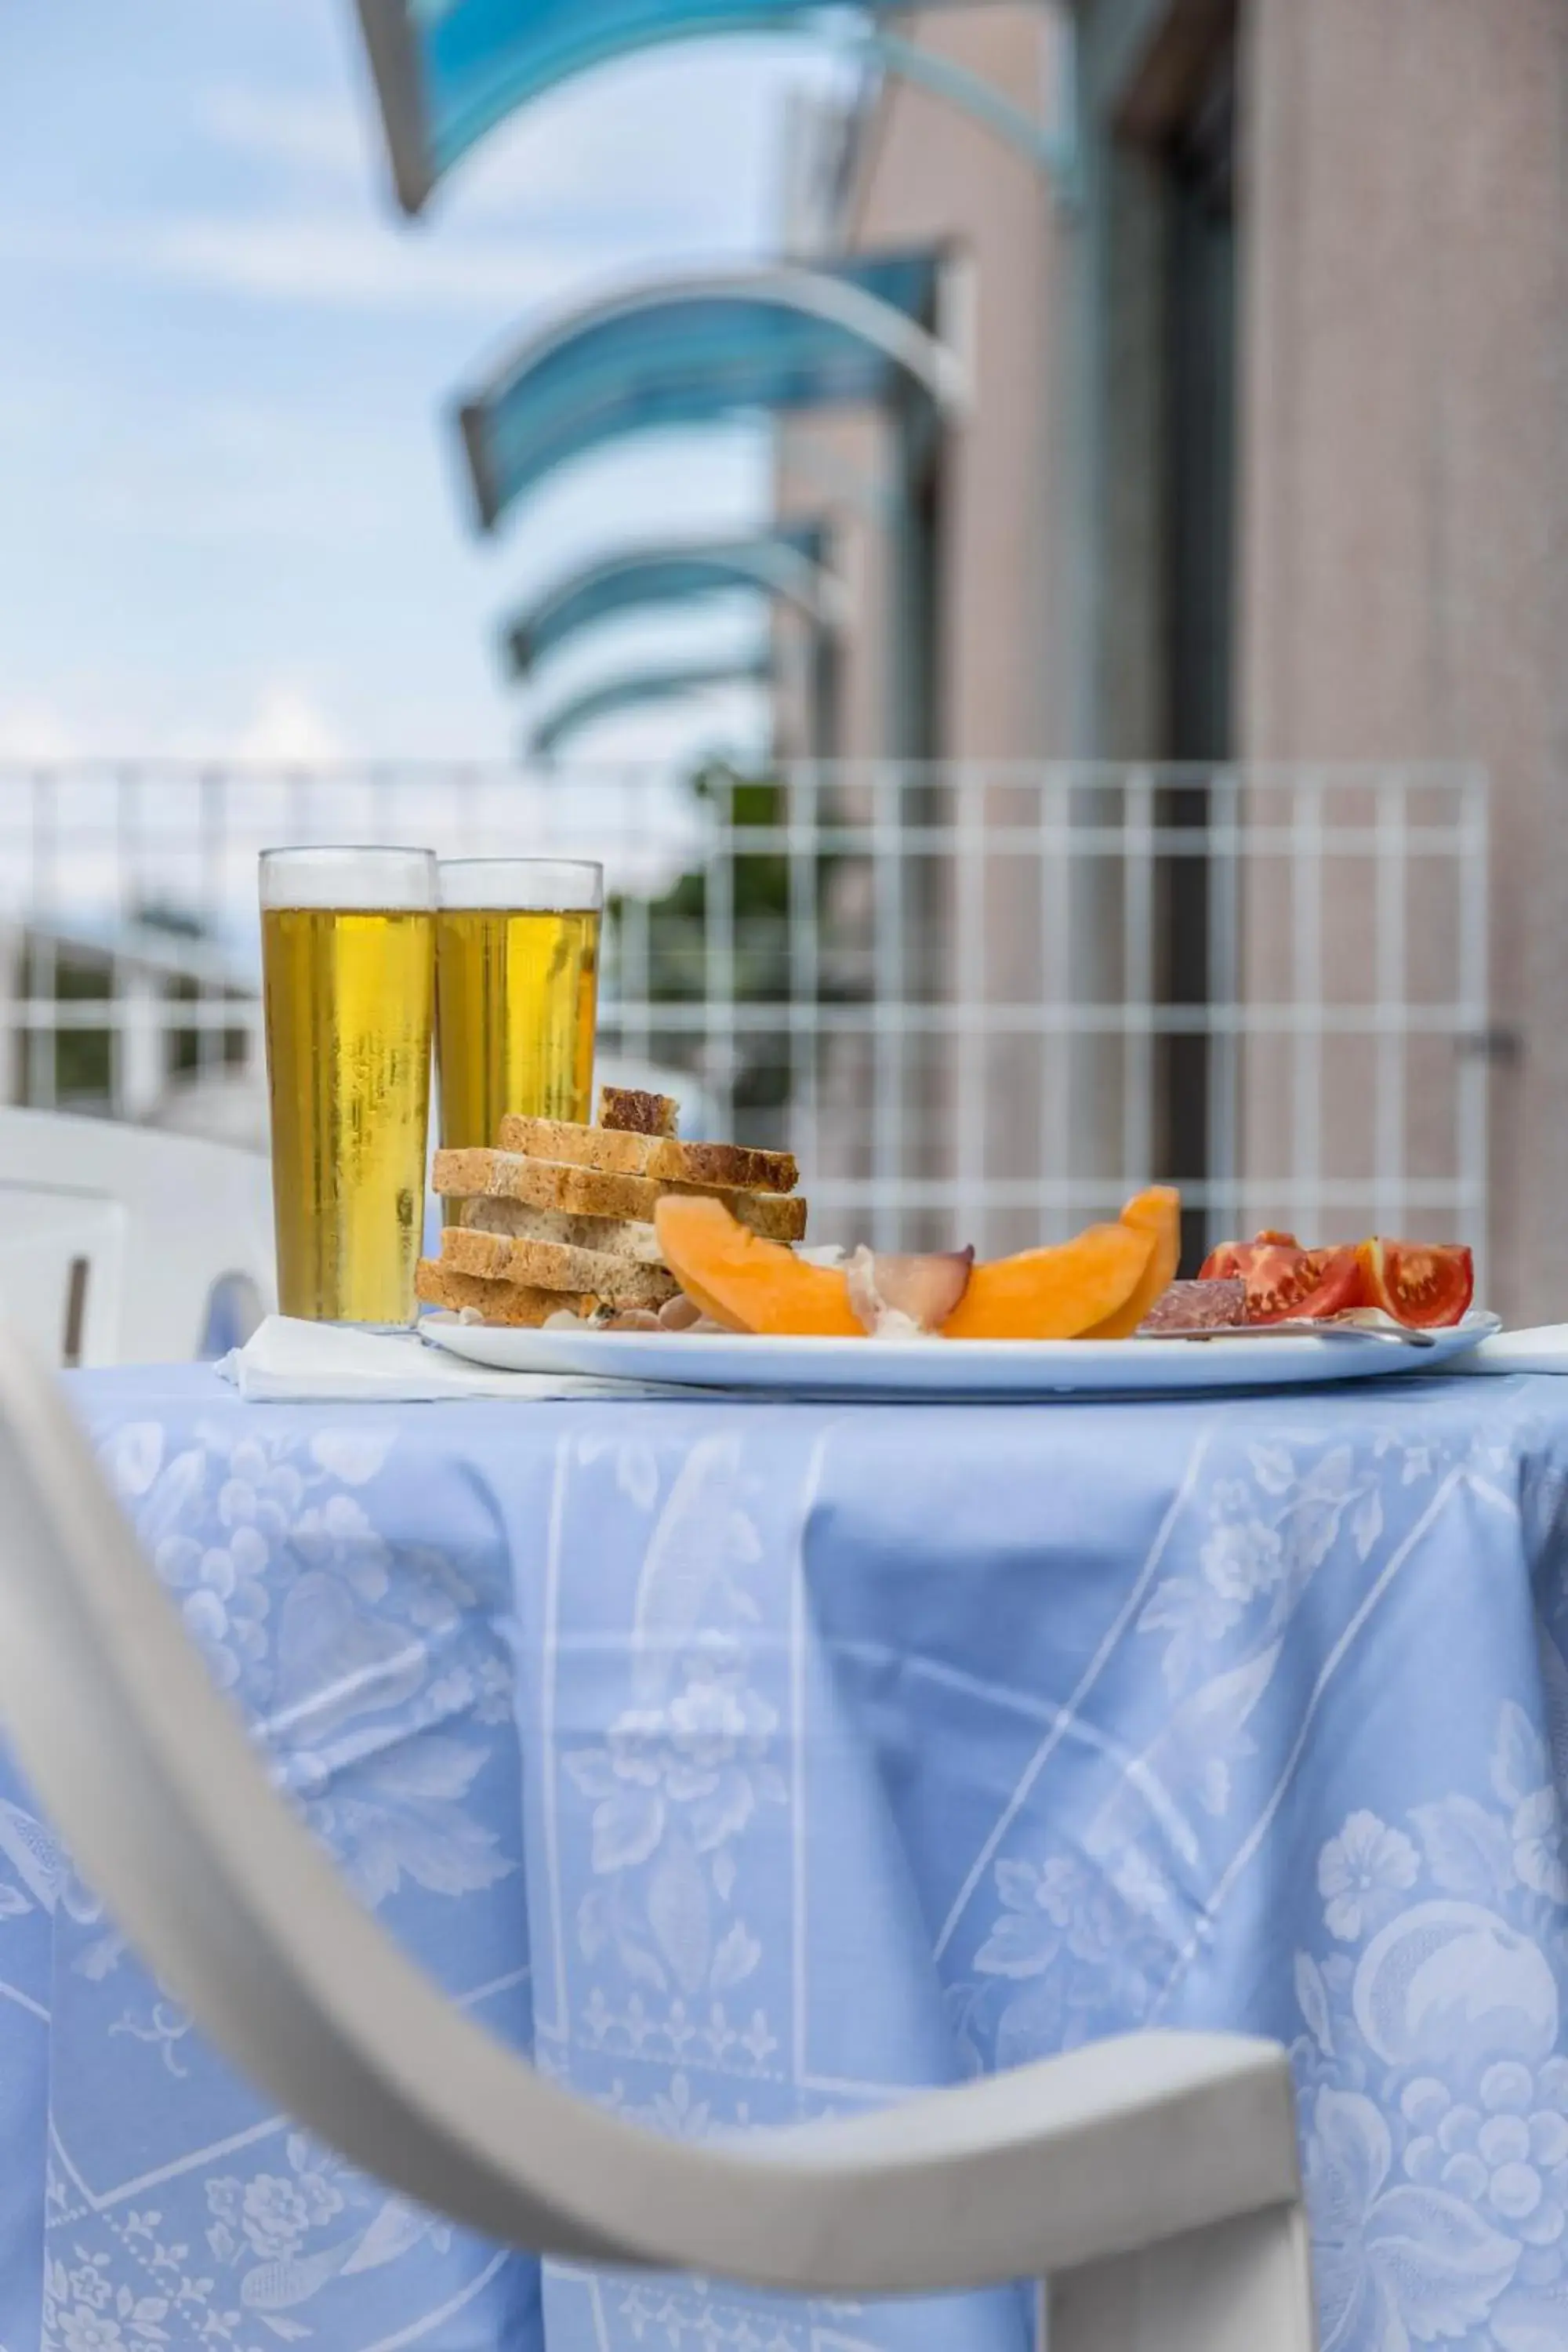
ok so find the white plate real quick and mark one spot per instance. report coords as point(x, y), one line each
point(967, 1368)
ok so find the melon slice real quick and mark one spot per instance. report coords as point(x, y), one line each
point(1054, 1293)
point(1157, 1212)
point(747, 1284)
point(751, 1285)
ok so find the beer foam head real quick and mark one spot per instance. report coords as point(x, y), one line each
point(545, 886)
point(372, 879)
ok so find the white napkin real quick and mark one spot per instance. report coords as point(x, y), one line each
point(1544, 1350)
point(335, 1363)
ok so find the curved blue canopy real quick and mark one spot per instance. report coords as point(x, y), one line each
point(785, 564)
point(448, 71)
point(546, 737)
point(686, 351)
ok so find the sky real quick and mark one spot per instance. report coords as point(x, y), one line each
point(232, 518)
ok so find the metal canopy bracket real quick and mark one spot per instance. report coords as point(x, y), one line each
point(1052, 148)
point(686, 351)
point(447, 72)
point(787, 565)
point(630, 693)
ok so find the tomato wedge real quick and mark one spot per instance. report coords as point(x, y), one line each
point(1426, 1285)
point(1230, 1261)
point(1423, 1285)
point(1285, 1284)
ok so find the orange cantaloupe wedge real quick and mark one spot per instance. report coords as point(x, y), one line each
point(1054, 1293)
point(747, 1284)
point(751, 1285)
point(1158, 1212)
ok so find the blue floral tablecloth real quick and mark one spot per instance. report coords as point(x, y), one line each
point(747, 1762)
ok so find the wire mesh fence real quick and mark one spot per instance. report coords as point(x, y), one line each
point(979, 1002)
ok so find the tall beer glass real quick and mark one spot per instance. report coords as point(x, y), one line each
point(517, 992)
point(348, 973)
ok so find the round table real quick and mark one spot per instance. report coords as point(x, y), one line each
point(749, 1762)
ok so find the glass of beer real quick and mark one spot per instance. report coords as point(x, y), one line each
point(348, 968)
point(517, 992)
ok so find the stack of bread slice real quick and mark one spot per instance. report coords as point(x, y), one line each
point(558, 1219)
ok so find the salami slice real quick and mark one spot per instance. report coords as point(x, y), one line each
point(1213, 1306)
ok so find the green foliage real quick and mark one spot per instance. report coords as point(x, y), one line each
point(161, 914)
point(761, 974)
point(82, 1057)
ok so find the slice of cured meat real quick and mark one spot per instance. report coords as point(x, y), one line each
point(1212, 1306)
point(902, 1297)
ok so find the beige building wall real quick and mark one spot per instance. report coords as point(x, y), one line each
point(838, 464)
point(1406, 506)
point(1403, 502)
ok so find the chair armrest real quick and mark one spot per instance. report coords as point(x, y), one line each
point(151, 1777)
point(1114, 2147)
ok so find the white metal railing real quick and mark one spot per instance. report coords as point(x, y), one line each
point(982, 1002)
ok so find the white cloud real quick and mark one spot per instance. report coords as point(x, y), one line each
point(350, 261)
point(313, 506)
point(229, 470)
point(321, 135)
point(286, 725)
point(31, 730)
point(289, 725)
point(309, 258)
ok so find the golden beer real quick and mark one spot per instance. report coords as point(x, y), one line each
point(517, 1000)
point(349, 993)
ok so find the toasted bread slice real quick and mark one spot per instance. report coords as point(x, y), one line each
point(591, 1193)
point(516, 1303)
point(617, 1238)
point(637, 1114)
point(615, 1152)
point(551, 1265)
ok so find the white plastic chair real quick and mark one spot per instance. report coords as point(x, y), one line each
point(115, 1239)
point(1152, 2181)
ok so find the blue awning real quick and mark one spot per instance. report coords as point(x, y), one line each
point(785, 564)
point(686, 351)
point(446, 71)
point(546, 737)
